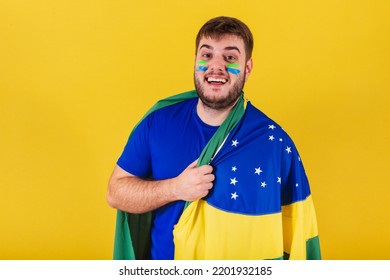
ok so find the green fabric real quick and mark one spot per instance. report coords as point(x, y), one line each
point(132, 231)
point(123, 247)
point(313, 251)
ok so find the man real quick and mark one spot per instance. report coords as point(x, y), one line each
point(209, 149)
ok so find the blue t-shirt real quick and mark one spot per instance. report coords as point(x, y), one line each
point(161, 147)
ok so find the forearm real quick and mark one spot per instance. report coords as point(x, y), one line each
point(132, 194)
point(136, 195)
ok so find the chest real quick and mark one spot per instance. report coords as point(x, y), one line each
point(176, 143)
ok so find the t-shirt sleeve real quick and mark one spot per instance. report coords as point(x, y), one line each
point(135, 157)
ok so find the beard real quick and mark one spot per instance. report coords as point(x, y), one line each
point(220, 104)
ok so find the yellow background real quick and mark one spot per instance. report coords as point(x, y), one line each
point(75, 76)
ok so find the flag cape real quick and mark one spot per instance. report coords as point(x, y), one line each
point(289, 233)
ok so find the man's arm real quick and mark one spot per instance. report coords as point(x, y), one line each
point(132, 194)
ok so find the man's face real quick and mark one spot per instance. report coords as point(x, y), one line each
point(221, 70)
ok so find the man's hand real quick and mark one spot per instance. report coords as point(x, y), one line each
point(194, 182)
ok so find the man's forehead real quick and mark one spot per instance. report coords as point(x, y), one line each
point(225, 40)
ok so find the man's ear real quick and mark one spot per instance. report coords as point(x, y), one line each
point(248, 68)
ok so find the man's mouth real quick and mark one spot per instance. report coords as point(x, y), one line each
point(216, 81)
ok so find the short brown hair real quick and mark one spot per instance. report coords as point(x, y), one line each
point(218, 27)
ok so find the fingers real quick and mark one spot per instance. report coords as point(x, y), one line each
point(204, 169)
point(209, 178)
point(194, 163)
point(194, 182)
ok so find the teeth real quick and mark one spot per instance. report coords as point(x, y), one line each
point(216, 80)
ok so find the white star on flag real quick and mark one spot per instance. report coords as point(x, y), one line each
point(235, 143)
point(271, 126)
point(297, 185)
point(288, 150)
point(258, 171)
point(279, 180)
point(271, 138)
point(234, 168)
point(280, 140)
point(233, 181)
point(234, 196)
point(263, 184)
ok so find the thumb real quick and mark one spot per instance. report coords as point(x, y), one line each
point(193, 164)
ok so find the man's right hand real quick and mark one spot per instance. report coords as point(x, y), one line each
point(194, 182)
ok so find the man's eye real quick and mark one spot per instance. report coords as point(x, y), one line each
point(230, 58)
point(206, 55)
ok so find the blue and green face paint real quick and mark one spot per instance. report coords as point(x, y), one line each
point(232, 68)
point(201, 65)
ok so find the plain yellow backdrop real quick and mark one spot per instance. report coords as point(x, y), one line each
point(75, 77)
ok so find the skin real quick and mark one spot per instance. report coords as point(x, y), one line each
point(132, 194)
point(217, 99)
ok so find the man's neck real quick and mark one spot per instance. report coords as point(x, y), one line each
point(212, 116)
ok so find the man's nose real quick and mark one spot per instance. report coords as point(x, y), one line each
point(217, 64)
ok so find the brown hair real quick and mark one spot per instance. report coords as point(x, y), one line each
point(218, 27)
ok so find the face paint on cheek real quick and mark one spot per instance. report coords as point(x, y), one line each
point(232, 68)
point(201, 65)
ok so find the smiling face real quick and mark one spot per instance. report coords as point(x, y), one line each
point(221, 70)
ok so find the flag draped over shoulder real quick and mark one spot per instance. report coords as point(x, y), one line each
point(260, 206)
point(218, 226)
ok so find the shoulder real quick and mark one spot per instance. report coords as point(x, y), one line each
point(174, 111)
point(258, 119)
point(180, 107)
point(264, 128)
point(252, 113)
point(159, 116)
